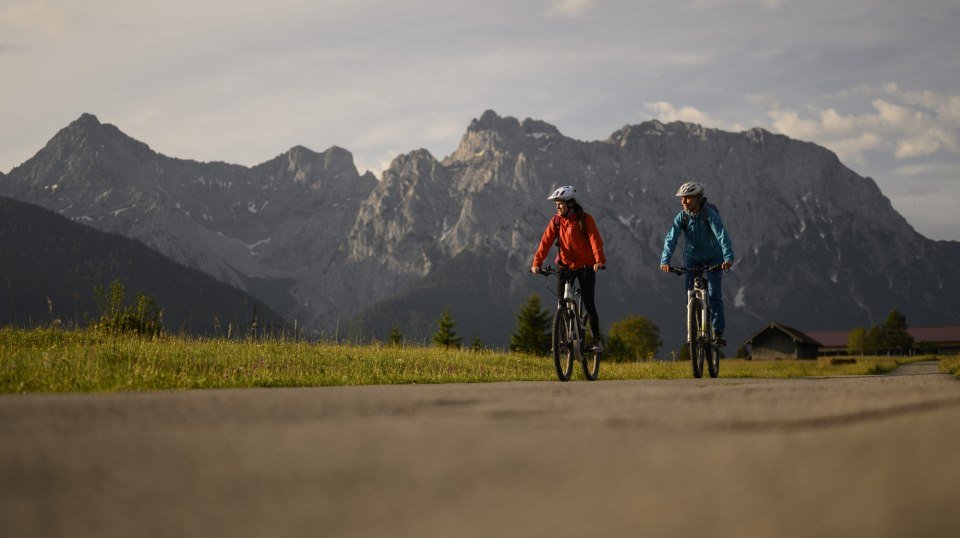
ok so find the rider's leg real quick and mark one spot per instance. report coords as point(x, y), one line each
point(560, 285)
point(715, 293)
point(588, 284)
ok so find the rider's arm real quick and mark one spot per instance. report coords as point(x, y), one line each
point(596, 242)
point(549, 236)
point(670, 241)
point(716, 225)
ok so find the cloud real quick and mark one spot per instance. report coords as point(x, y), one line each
point(33, 17)
point(903, 124)
point(713, 4)
point(667, 112)
point(570, 8)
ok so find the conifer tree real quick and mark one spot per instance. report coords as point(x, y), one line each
point(446, 335)
point(893, 335)
point(396, 337)
point(533, 329)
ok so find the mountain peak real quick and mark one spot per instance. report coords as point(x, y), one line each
point(86, 119)
point(491, 121)
point(88, 130)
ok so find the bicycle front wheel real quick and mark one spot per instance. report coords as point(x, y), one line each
point(710, 349)
point(563, 344)
point(591, 365)
point(694, 337)
point(713, 360)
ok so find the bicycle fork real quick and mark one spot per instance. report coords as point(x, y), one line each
point(703, 329)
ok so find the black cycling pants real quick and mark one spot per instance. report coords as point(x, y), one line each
point(588, 284)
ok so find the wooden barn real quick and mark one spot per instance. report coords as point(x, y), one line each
point(777, 341)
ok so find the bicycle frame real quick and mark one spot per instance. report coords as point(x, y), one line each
point(569, 331)
point(573, 300)
point(697, 297)
point(699, 321)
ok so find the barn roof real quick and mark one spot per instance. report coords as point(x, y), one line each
point(936, 334)
point(920, 334)
point(794, 334)
point(831, 338)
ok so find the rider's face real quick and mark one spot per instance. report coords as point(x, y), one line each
point(690, 203)
point(562, 207)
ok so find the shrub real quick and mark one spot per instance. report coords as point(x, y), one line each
point(144, 318)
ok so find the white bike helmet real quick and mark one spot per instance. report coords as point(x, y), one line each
point(690, 188)
point(563, 193)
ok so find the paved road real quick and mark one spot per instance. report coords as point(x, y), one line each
point(855, 456)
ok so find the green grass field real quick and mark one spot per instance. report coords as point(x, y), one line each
point(48, 360)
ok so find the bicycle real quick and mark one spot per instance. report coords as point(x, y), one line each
point(699, 328)
point(570, 329)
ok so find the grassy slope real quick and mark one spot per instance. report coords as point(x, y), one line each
point(46, 360)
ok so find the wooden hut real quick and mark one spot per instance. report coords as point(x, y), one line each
point(778, 341)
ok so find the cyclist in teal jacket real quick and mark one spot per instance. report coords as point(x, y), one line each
point(706, 243)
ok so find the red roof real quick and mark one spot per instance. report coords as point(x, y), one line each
point(935, 334)
point(919, 334)
point(831, 339)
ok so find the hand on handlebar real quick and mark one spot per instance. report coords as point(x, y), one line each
point(726, 265)
point(535, 269)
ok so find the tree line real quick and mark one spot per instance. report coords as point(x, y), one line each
point(890, 337)
point(631, 338)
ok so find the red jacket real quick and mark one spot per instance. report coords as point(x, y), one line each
point(578, 248)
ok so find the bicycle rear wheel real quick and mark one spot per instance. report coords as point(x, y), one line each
point(562, 344)
point(693, 333)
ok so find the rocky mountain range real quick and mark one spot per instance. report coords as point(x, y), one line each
point(818, 247)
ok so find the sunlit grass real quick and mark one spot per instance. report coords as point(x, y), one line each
point(48, 360)
point(951, 365)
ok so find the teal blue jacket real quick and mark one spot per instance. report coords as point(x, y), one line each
point(705, 243)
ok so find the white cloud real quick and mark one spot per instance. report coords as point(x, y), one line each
point(382, 162)
point(902, 124)
point(33, 17)
point(713, 4)
point(942, 169)
point(667, 112)
point(570, 8)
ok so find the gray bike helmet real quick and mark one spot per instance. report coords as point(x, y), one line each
point(563, 193)
point(690, 188)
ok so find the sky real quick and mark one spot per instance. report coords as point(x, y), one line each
point(875, 81)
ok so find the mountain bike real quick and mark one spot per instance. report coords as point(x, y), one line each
point(570, 328)
point(699, 327)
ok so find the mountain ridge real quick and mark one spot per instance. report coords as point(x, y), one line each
point(51, 266)
point(325, 244)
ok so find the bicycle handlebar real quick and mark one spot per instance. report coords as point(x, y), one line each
point(698, 270)
point(546, 271)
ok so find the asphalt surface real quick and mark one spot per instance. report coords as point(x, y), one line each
point(852, 456)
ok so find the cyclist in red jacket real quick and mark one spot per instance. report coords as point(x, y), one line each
point(579, 247)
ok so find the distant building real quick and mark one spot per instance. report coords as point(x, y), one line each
point(831, 342)
point(778, 341)
point(941, 340)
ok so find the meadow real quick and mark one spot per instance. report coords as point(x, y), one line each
point(53, 360)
